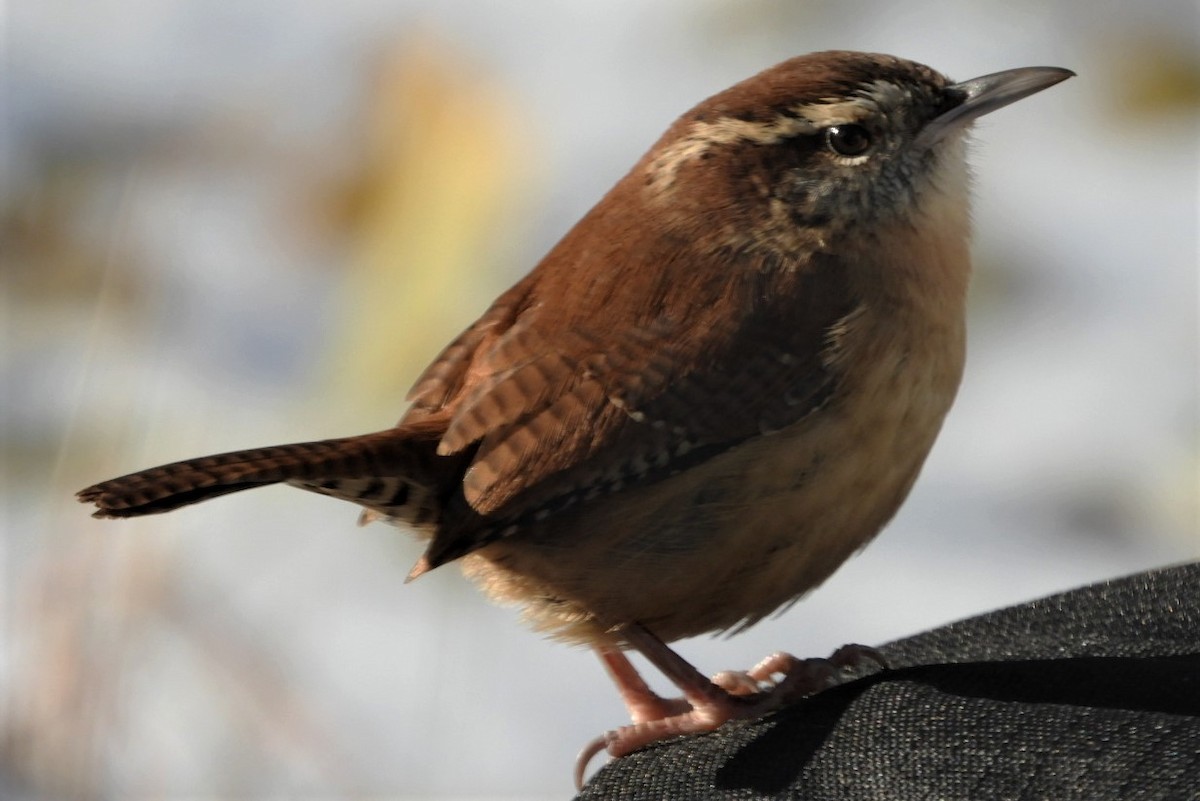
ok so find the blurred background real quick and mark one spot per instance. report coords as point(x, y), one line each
point(231, 224)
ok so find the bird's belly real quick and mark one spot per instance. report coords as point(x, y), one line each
point(728, 542)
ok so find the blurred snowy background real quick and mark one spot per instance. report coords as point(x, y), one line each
point(231, 224)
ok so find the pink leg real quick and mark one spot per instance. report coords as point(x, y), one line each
point(706, 704)
point(643, 703)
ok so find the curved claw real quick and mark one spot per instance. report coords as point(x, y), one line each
point(585, 756)
point(854, 656)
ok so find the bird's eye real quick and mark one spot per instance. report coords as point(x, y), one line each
point(848, 140)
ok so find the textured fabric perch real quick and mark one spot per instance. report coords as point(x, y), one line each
point(1093, 694)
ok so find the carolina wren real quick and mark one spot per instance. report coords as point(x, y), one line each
point(719, 385)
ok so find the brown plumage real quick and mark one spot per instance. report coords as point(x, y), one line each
point(719, 384)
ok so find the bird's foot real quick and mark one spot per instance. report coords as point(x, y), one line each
point(706, 704)
point(782, 673)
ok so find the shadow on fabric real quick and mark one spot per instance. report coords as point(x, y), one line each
point(1093, 694)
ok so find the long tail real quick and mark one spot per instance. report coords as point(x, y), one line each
point(386, 472)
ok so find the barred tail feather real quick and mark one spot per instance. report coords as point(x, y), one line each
point(395, 498)
point(318, 466)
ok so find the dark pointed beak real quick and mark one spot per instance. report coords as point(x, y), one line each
point(985, 94)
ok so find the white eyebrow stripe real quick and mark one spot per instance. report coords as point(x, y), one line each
point(703, 136)
point(806, 119)
point(824, 115)
point(872, 99)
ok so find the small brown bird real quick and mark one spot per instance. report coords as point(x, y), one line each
point(720, 384)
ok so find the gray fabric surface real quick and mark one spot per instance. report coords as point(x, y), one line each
point(1092, 694)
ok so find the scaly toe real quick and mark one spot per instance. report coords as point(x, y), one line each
point(738, 682)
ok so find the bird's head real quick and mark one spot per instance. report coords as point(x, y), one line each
point(824, 144)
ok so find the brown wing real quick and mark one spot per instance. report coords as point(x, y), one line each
point(636, 372)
